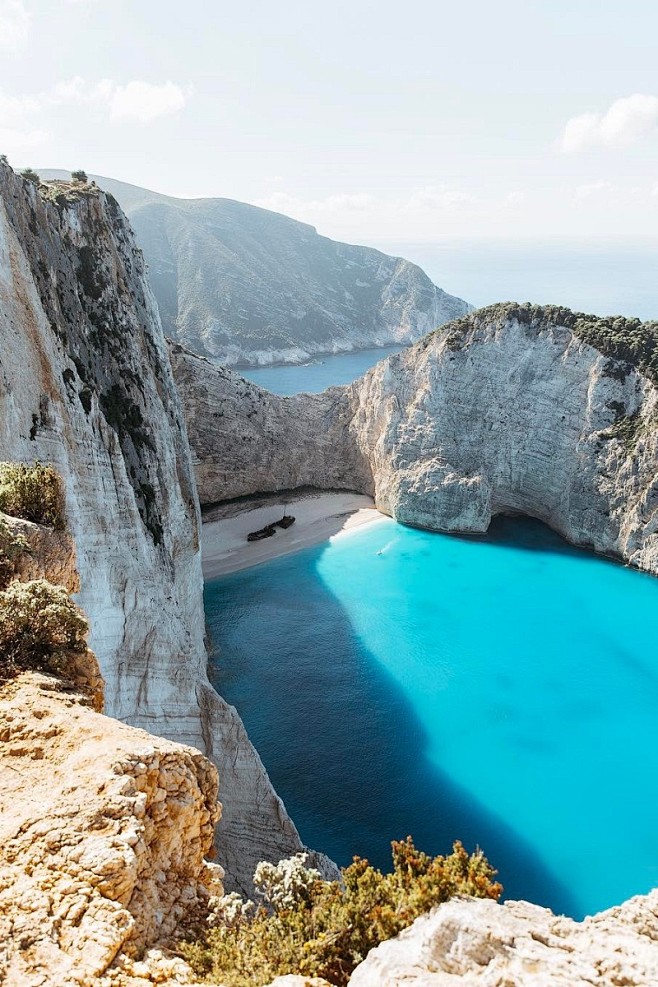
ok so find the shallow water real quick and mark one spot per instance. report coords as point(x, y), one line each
point(500, 691)
point(319, 374)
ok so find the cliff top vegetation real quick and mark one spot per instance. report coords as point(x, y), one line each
point(627, 341)
point(322, 928)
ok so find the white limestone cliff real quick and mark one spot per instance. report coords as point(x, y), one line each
point(508, 410)
point(85, 384)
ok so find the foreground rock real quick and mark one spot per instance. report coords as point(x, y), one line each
point(483, 944)
point(85, 384)
point(103, 833)
point(509, 410)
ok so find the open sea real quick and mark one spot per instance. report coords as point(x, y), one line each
point(501, 691)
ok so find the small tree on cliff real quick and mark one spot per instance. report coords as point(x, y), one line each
point(79, 176)
point(30, 175)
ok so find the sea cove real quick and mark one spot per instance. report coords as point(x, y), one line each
point(501, 691)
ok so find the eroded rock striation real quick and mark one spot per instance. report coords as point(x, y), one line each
point(85, 384)
point(517, 944)
point(513, 409)
point(248, 286)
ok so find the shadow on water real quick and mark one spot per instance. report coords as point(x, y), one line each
point(341, 742)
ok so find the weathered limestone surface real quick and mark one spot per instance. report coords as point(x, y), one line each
point(103, 832)
point(85, 384)
point(482, 944)
point(487, 416)
point(246, 440)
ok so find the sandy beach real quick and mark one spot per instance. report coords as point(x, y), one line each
point(318, 517)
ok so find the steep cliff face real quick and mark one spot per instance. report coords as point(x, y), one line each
point(246, 440)
point(507, 410)
point(85, 383)
point(252, 287)
point(510, 410)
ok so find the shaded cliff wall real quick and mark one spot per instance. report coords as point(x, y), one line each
point(246, 440)
point(85, 383)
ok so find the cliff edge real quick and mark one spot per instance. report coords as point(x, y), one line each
point(85, 384)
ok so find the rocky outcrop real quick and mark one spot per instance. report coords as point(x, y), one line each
point(85, 384)
point(103, 834)
point(510, 410)
point(483, 944)
point(252, 287)
point(246, 440)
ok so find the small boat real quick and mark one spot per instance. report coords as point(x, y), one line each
point(285, 521)
point(266, 532)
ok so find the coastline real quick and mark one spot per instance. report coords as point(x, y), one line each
point(319, 517)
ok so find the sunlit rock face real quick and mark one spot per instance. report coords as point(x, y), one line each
point(104, 832)
point(85, 383)
point(508, 410)
point(483, 944)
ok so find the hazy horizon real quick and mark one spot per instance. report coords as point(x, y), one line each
point(368, 121)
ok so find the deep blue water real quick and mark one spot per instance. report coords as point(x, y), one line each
point(314, 377)
point(500, 691)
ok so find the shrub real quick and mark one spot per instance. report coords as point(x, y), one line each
point(324, 929)
point(11, 547)
point(32, 492)
point(39, 624)
point(30, 175)
point(79, 176)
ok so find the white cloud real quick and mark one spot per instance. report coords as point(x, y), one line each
point(144, 102)
point(14, 109)
point(310, 209)
point(593, 188)
point(23, 118)
point(625, 122)
point(14, 141)
point(517, 197)
point(14, 25)
point(437, 197)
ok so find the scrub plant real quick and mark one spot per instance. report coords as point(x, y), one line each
point(33, 492)
point(39, 628)
point(318, 928)
point(12, 546)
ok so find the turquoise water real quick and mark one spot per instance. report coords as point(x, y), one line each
point(500, 691)
point(321, 373)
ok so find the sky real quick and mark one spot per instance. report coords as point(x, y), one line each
point(374, 121)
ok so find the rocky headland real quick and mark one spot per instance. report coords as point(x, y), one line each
point(511, 410)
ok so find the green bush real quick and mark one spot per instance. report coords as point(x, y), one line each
point(79, 176)
point(32, 492)
point(39, 624)
point(30, 175)
point(11, 547)
point(317, 928)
